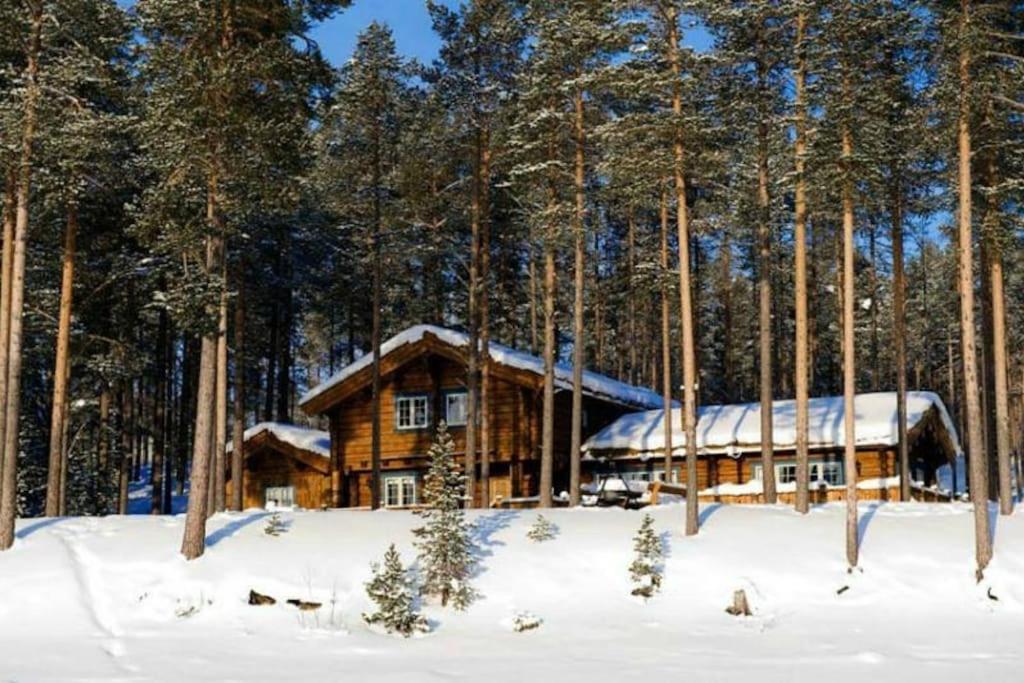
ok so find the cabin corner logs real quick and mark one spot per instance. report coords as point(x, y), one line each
point(423, 378)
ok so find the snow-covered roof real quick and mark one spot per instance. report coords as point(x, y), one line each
point(594, 384)
point(734, 429)
point(312, 440)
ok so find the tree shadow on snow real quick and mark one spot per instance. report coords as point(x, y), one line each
point(233, 527)
point(705, 514)
point(27, 531)
point(666, 544)
point(993, 522)
point(482, 535)
point(864, 521)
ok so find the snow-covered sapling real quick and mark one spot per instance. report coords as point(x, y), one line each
point(392, 590)
point(275, 526)
point(645, 571)
point(445, 545)
point(525, 621)
point(542, 530)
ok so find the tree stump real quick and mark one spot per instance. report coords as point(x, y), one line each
point(739, 607)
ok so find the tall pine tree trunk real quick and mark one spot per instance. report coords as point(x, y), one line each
point(221, 399)
point(485, 322)
point(576, 441)
point(689, 352)
point(972, 411)
point(473, 324)
point(547, 454)
point(160, 411)
point(802, 361)
point(997, 362)
point(10, 211)
point(12, 391)
point(193, 543)
point(764, 276)
point(238, 414)
point(375, 333)
point(61, 365)
point(849, 353)
point(666, 338)
point(900, 329)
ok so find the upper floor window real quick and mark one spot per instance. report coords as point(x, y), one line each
point(455, 408)
point(412, 412)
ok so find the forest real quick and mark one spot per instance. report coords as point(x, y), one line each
point(203, 218)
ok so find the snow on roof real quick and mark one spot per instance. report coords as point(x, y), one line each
point(312, 440)
point(594, 384)
point(736, 428)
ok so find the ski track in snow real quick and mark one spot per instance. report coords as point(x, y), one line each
point(88, 574)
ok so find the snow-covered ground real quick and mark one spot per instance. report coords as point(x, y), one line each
point(111, 599)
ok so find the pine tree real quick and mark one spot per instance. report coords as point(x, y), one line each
point(393, 592)
point(543, 529)
point(445, 545)
point(645, 570)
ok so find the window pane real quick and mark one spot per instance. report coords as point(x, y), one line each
point(408, 491)
point(421, 412)
point(455, 412)
point(403, 412)
point(832, 472)
point(786, 473)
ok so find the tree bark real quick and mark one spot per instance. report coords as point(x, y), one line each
point(849, 353)
point(764, 276)
point(125, 456)
point(473, 325)
point(900, 330)
point(1000, 392)
point(375, 334)
point(802, 363)
point(547, 454)
point(12, 398)
point(221, 408)
point(578, 343)
point(160, 459)
point(238, 414)
point(61, 364)
point(666, 338)
point(485, 323)
point(978, 474)
point(689, 359)
point(10, 212)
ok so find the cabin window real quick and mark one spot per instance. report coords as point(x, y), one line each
point(279, 497)
point(412, 412)
point(819, 472)
point(399, 490)
point(643, 476)
point(455, 408)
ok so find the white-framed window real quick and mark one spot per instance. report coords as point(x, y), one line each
point(399, 489)
point(412, 412)
point(819, 471)
point(456, 408)
point(644, 476)
point(279, 497)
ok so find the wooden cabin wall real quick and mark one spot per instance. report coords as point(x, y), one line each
point(268, 467)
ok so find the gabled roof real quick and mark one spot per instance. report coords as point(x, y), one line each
point(420, 338)
point(735, 429)
point(310, 446)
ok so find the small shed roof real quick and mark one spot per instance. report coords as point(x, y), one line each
point(594, 384)
point(311, 446)
point(735, 429)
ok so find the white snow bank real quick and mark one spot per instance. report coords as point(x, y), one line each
point(111, 599)
point(734, 429)
point(312, 440)
point(594, 384)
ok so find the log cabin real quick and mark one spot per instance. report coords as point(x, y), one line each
point(630, 451)
point(423, 381)
point(285, 466)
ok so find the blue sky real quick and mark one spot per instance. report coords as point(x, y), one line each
point(408, 20)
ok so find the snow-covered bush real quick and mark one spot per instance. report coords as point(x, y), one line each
point(543, 529)
point(445, 546)
point(392, 590)
point(645, 571)
point(525, 621)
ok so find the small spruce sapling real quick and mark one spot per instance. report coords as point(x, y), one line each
point(275, 526)
point(445, 546)
point(542, 530)
point(392, 590)
point(645, 571)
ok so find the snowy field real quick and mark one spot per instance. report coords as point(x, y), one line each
point(110, 599)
